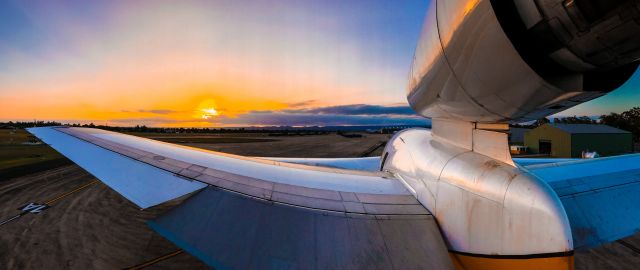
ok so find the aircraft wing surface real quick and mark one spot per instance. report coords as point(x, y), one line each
point(254, 213)
point(600, 196)
point(361, 164)
point(526, 162)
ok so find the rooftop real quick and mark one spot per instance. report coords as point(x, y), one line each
point(588, 128)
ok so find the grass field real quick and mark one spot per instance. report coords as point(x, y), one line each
point(19, 155)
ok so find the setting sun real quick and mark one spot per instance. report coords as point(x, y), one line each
point(209, 112)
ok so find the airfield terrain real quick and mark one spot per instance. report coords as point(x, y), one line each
point(93, 227)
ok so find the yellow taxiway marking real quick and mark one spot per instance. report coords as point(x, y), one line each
point(156, 260)
point(49, 202)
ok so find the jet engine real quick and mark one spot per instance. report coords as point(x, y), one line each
point(500, 61)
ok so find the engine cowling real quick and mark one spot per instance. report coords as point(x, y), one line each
point(497, 61)
point(492, 215)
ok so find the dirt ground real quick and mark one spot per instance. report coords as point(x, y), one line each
point(320, 146)
point(96, 228)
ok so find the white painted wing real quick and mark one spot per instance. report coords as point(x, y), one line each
point(599, 195)
point(362, 164)
point(259, 213)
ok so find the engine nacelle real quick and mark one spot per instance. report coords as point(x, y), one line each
point(497, 61)
point(485, 208)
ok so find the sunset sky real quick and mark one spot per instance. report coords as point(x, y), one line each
point(217, 63)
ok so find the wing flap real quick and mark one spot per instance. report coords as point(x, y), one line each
point(233, 231)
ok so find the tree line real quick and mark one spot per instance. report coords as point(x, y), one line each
point(144, 128)
point(628, 120)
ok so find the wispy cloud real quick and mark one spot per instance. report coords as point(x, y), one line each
point(157, 111)
point(302, 103)
point(357, 109)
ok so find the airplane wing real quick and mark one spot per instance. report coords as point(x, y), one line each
point(259, 213)
point(141, 184)
point(600, 196)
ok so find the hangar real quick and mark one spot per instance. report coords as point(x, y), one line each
point(570, 140)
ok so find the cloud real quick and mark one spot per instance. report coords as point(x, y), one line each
point(302, 119)
point(160, 111)
point(302, 103)
point(356, 114)
point(358, 109)
point(144, 120)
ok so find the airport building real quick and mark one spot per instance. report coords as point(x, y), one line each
point(571, 140)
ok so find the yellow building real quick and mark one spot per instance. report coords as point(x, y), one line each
point(570, 140)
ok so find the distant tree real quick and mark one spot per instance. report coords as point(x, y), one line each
point(541, 122)
point(628, 120)
point(575, 120)
point(19, 124)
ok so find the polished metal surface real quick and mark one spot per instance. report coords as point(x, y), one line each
point(231, 231)
point(476, 137)
point(483, 205)
point(474, 65)
point(466, 68)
